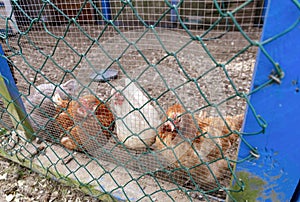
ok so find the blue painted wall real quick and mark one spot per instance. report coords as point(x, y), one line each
point(9, 80)
point(278, 166)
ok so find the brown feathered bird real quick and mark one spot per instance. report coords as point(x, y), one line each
point(88, 123)
point(41, 108)
point(184, 144)
point(227, 128)
point(64, 112)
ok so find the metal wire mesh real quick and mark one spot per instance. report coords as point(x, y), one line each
point(199, 54)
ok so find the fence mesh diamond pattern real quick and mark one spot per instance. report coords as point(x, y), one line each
point(131, 100)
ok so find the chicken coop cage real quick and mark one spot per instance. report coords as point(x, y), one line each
point(130, 100)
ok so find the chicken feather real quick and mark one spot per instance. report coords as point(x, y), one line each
point(88, 122)
point(184, 143)
point(234, 123)
point(41, 108)
point(136, 119)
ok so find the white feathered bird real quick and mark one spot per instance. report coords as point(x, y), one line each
point(136, 119)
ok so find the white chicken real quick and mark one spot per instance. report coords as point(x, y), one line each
point(136, 119)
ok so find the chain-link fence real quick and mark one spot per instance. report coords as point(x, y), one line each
point(131, 100)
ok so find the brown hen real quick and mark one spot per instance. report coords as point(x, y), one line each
point(184, 146)
point(92, 123)
point(64, 112)
point(229, 137)
point(41, 109)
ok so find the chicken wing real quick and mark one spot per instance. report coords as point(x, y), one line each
point(93, 124)
point(185, 145)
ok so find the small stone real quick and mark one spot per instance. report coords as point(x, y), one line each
point(21, 183)
point(15, 176)
point(9, 197)
point(54, 196)
point(3, 177)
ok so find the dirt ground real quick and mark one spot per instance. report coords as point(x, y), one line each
point(18, 183)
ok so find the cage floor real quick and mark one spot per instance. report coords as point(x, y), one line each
point(98, 176)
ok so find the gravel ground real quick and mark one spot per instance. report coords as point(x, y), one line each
point(20, 184)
